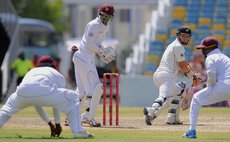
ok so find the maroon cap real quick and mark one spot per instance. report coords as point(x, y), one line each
point(208, 42)
point(107, 9)
point(45, 59)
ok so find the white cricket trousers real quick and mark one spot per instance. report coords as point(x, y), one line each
point(209, 95)
point(166, 84)
point(86, 74)
point(60, 98)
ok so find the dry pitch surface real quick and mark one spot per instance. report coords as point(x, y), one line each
point(210, 120)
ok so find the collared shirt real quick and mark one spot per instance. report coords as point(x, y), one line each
point(219, 64)
point(173, 54)
point(95, 33)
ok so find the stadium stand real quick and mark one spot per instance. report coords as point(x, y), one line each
point(204, 17)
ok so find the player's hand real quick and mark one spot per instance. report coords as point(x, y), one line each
point(58, 130)
point(52, 129)
point(74, 48)
point(196, 79)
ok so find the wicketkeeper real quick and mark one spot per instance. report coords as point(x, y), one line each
point(87, 79)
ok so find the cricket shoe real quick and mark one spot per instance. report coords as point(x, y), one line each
point(83, 134)
point(191, 134)
point(92, 123)
point(148, 117)
point(177, 122)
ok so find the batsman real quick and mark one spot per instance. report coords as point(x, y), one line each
point(87, 79)
point(165, 78)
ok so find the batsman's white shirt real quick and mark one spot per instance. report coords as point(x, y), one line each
point(44, 86)
point(85, 69)
point(173, 54)
point(166, 74)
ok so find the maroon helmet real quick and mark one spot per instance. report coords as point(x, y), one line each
point(107, 9)
point(46, 61)
point(207, 43)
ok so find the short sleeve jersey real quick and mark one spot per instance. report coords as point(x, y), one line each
point(173, 54)
point(95, 33)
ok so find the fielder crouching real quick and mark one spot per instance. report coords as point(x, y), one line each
point(44, 86)
point(165, 78)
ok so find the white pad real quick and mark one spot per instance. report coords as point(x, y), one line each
point(159, 104)
point(187, 99)
point(96, 96)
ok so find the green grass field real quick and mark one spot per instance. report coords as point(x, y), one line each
point(214, 126)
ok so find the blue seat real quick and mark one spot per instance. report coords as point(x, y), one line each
point(220, 19)
point(203, 29)
point(220, 14)
point(180, 3)
point(197, 2)
point(192, 14)
point(207, 3)
point(197, 41)
point(207, 9)
point(221, 2)
point(203, 35)
point(176, 20)
point(193, 7)
point(170, 40)
point(162, 31)
point(156, 46)
point(221, 8)
point(175, 25)
point(191, 20)
point(219, 32)
point(204, 14)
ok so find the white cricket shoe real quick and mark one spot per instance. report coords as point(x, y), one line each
point(83, 134)
point(93, 123)
point(149, 115)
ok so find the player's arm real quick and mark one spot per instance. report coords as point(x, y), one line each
point(58, 128)
point(211, 71)
point(186, 69)
point(91, 34)
point(59, 79)
point(43, 114)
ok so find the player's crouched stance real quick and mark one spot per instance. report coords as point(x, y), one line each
point(165, 78)
point(217, 90)
point(44, 86)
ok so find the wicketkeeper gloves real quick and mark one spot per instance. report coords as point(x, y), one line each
point(55, 129)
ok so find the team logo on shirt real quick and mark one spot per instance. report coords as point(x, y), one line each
point(91, 34)
point(182, 55)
